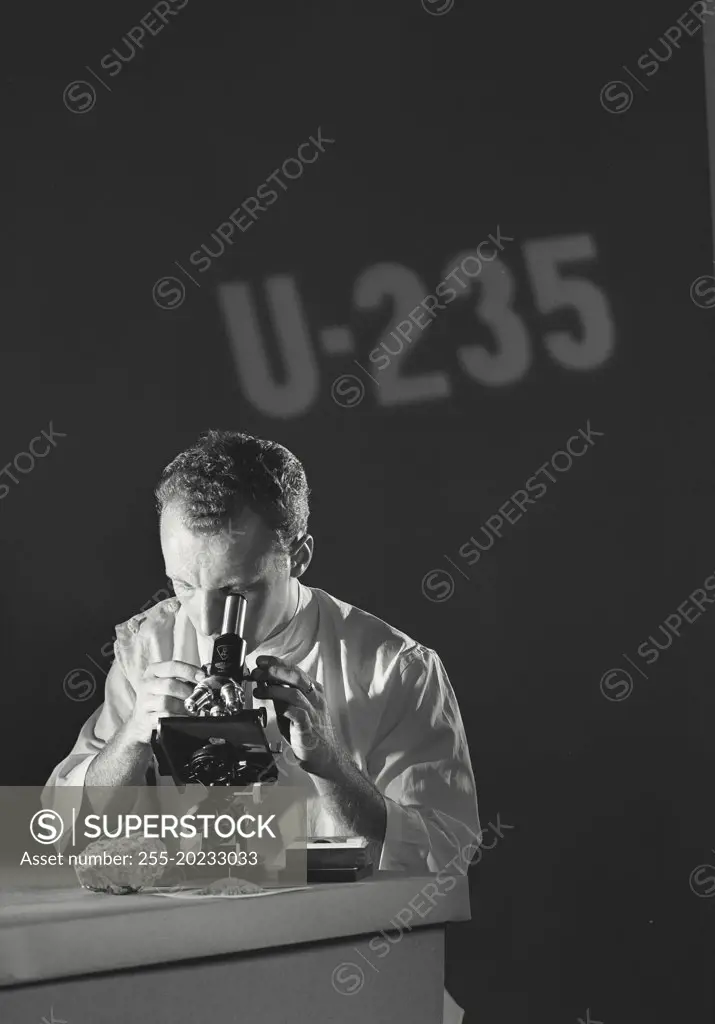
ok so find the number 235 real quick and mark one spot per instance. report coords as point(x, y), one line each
point(511, 354)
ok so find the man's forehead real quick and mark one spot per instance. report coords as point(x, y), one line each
point(245, 533)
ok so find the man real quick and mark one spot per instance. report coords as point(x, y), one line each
point(376, 739)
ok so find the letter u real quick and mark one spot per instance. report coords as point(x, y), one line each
point(487, 534)
point(402, 345)
point(214, 254)
point(220, 251)
point(670, 51)
point(668, 634)
point(125, 60)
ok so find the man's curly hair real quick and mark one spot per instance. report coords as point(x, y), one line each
point(223, 471)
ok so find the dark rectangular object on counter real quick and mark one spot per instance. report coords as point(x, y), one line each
point(354, 874)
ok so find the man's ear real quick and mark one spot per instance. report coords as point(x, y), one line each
point(301, 554)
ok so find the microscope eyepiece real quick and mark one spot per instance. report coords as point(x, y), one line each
point(228, 664)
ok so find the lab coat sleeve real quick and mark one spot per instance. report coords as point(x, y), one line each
point(65, 791)
point(420, 763)
point(102, 724)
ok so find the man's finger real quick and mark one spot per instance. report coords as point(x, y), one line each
point(176, 670)
point(279, 672)
point(298, 715)
point(275, 691)
point(169, 688)
point(169, 706)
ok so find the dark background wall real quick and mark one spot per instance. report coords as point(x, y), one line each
point(445, 127)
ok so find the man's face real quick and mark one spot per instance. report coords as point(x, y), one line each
point(245, 557)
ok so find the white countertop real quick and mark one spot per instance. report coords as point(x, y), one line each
point(69, 932)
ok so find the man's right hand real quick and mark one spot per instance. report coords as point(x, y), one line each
point(164, 687)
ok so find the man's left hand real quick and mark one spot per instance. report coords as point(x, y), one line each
point(302, 714)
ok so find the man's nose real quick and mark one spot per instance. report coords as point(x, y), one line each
point(209, 613)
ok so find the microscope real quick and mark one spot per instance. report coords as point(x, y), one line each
point(221, 741)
